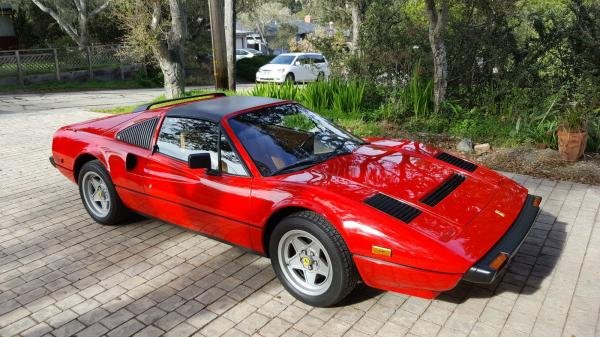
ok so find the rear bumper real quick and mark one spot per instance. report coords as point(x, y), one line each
point(509, 244)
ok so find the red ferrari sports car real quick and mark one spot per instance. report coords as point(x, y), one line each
point(329, 209)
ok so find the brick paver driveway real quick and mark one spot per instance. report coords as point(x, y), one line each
point(63, 274)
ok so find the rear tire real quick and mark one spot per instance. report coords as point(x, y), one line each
point(312, 260)
point(99, 195)
point(320, 77)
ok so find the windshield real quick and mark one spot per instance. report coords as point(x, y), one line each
point(283, 59)
point(289, 137)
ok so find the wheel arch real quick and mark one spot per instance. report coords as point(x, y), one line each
point(274, 219)
point(80, 161)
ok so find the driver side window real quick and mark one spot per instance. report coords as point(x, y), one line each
point(180, 137)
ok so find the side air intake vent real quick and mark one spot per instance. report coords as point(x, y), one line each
point(139, 134)
point(463, 164)
point(393, 207)
point(443, 190)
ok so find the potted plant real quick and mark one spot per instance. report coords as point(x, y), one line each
point(572, 133)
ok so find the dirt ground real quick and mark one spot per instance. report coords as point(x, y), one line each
point(543, 163)
point(529, 160)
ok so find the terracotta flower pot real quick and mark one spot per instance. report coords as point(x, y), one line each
point(571, 145)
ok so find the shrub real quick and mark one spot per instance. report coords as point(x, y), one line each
point(246, 68)
point(281, 91)
point(347, 95)
point(317, 96)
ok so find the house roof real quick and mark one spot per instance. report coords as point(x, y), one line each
point(216, 108)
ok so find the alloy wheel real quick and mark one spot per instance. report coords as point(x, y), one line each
point(305, 263)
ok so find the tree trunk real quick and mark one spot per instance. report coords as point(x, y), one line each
point(217, 31)
point(357, 15)
point(170, 52)
point(438, 18)
point(82, 41)
point(440, 71)
point(230, 42)
point(173, 72)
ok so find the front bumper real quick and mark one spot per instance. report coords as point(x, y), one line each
point(509, 244)
point(52, 162)
point(270, 77)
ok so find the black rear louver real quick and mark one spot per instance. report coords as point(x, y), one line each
point(393, 207)
point(139, 134)
point(463, 164)
point(443, 190)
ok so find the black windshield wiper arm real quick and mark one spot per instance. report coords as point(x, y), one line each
point(301, 163)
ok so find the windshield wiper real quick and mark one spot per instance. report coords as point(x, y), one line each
point(315, 160)
point(300, 164)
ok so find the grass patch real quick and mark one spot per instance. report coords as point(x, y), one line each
point(60, 86)
point(117, 110)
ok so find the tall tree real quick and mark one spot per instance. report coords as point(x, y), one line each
point(263, 15)
point(73, 16)
point(158, 28)
point(437, 13)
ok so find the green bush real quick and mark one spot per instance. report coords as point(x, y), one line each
point(286, 90)
point(347, 96)
point(246, 68)
point(334, 97)
point(318, 96)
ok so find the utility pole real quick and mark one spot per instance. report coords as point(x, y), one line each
point(217, 31)
point(230, 41)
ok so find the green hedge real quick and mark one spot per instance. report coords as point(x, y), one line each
point(246, 68)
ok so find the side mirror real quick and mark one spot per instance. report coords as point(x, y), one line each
point(297, 63)
point(199, 160)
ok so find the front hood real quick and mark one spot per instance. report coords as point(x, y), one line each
point(271, 67)
point(408, 172)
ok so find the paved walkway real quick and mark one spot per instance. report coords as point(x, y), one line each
point(11, 103)
point(63, 274)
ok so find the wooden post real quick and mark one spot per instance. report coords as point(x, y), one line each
point(19, 68)
point(230, 42)
point(56, 64)
point(218, 43)
point(89, 60)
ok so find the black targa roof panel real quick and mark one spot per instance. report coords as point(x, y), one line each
point(214, 109)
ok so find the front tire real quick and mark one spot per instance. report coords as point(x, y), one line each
point(312, 260)
point(290, 78)
point(99, 195)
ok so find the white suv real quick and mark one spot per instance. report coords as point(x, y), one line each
point(294, 67)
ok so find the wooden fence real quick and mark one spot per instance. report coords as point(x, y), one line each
point(21, 63)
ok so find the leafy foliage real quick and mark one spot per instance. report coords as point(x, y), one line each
point(246, 68)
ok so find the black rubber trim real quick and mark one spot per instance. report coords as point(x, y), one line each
point(393, 207)
point(145, 107)
point(437, 195)
point(52, 161)
point(509, 244)
point(458, 162)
